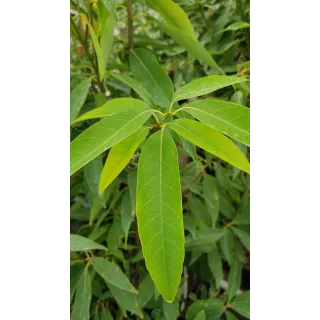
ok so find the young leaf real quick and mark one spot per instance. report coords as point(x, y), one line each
point(241, 304)
point(211, 141)
point(107, 41)
point(229, 118)
point(78, 97)
point(194, 47)
point(111, 108)
point(213, 309)
point(234, 280)
point(174, 16)
point(203, 237)
point(215, 265)
point(204, 86)
point(146, 291)
point(211, 197)
point(120, 156)
point(200, 316)
point(80, 243)
point(243, 236)
point(159, 212)
point(230, 316)
point(112, 274)
point(150, 74)
point(105, 134)
point(136, 86)
point(81, 306)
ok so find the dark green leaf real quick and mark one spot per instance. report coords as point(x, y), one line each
point(241, 304)
point(146, 291)
point(243, 236)
point(213, 309)
point(234, 280)
point(211, 196)
point(215, 265)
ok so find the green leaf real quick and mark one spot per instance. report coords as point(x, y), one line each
point(78, 97)
point(198, 209)
point(82, 300)
point(213, 309)
point(105, 134)
point(230, 316)
point(98, 51)
point(204, 86)
point(211, 141)
point(235, 26)
point(170, 310)
point(227, 245)
point(203, 237)
point(105, 314)
point(234, 280)
point(115, 235)
point(112, 274)
point(126, 213)
point(80, 243)
point(241, 304)
point(211, 196)
point(119, 156)
point(200, 316)
point(132, 184)
point(136, 86)
point(229, 118)
point(159, 212)
point(146, 291)
point(106, 42)
point(215, 266)
point(150, 74)
point(243, 236)
point(111, 6)
point(111, 108)
point(194, 47)
point(174, 16)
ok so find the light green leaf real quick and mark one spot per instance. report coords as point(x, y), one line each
point(111, 6)
point(126, 213)
point(146, 291)
point(170, 310)
point(119, 156)
point(105, 134)
point(112, 274)
point(230, 316)
point(174, 16)
point(78, 97)
point(80, 243)
point(229, 118)
point(111, 108)
point(106, 42)
point(243, 236)
point(150, 74)
point(204, 86)
point(159, 212)
point(215, 266)
point(227, 245)
point(200, 316)
point(136, 86)
point(211, 197)
point(213, 309)
point(235, 26)
point(203, 237)
point(211, 141)
point(98, 51)
point(241, 304)
point(81, 306)
point(194, 47)
point(234, 280)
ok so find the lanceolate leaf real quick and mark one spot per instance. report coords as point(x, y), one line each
point(213, 309)
point(227, 245)
point(105, 134)
point(234, 280)
point(112, 274)
point(110, 108)
point(78, 97)
point(170, 310)
point(146, 291)
point(243, 236)
point(120, 156)
point(211, 141)
point(215, 265)
point(107, 41)
point(81, 306)
point(126, 213)
point(136, 86)
point(211, 197)
point(194, 47)
point(241, 304)
point(203, 237)
point(174, 16)
point(150, 74)
point(229, 118)
point(80, 243)
point(204, 86)
point(159, 212)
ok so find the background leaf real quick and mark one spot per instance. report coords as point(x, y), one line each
point(78, 97)
point(234, 280)
point(213, 309)
point(80, 243)
point(241, 304)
